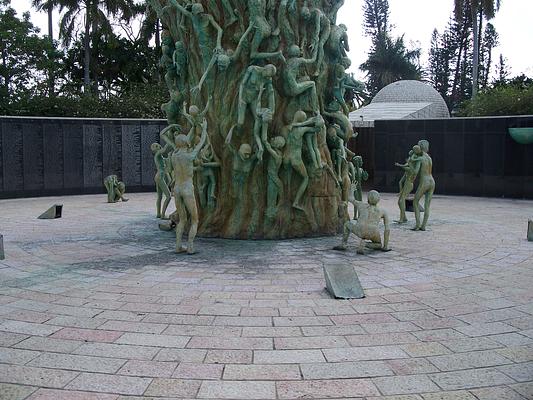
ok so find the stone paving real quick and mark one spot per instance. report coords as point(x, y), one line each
point(96, 305)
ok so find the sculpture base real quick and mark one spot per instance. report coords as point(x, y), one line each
point(321, 214)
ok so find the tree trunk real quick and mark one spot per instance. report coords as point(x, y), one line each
point(157, 36)
point(475, 62)
point(462, 48)
point(87, 52)
point(255, 199)
point(51, 76)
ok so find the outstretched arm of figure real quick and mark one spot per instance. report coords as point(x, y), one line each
point(203, 139)
point(416, 168)
point(386, 234)
point(405, 167)
point(219, 31)
point(292, 5)
point(168, 141)
point(212, 164)
point(240, 46)
point(187, 116)
point(243, 83)
point(350, 154)
point(345, 40)
point(316, 34)
point(271, 151)
point(208, 104)
point(163, 133)
point(181, 9)
point(227, 143)
point(311, 60)
point(271, 97)
point(198, 88)
point(336, 7)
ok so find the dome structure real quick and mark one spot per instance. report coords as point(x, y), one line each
point(407, 99)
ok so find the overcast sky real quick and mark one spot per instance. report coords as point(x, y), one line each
point(416, 19)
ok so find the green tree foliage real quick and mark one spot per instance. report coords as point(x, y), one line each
point(450, 59)
point(389, 60)
point(502, 71)
point(479, 9)
point(376, 17)
point(489, 42)
point(125, 66)
point(513, 97)
point(25, 57)
point(94, 16)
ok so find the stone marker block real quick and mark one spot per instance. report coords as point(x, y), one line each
point(530, 230)
point(2, 255)
point(52, 213)
point(409, 205)
point(342, 282)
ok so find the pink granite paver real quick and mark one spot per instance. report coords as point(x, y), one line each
point(105, 310)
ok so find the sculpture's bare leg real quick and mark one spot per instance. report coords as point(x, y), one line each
point(416, 205)
point(258, 128)
point(300, 168)
point(401, 201)
point(274, 193)
point(361, 247)
point(427, 203)
point(190, 204)
point(230, 12)
point(211, 192)
point(158, 201)
point(182, 212)
point(345, 236)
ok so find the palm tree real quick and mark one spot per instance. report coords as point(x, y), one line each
point(48, 6)
point(93, 16)
point(480, 9)
point(390, 61)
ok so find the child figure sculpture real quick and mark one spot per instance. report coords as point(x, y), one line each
point(183, 165)
point(162, 180)
point(115, 189)
point(411, 168)
point(367, 226)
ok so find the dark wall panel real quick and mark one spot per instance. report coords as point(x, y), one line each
point(149, 135)
point(53, 155)
point(44, 156)
point(471, 156)
point(112, 150)
point(131, 154)
point(33, 156)
point(12, 154)
point(73, 154)
point(92, 156)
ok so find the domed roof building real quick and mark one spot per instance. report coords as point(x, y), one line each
point(402, 100)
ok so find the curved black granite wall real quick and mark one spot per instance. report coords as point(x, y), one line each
point(56, 156)
point(471, 156)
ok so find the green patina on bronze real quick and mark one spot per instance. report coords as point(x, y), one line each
point(270, 77)
point(366, 227)
point(115, 189)
point(418, 164)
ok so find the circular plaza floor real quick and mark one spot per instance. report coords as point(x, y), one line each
point(96, 305)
